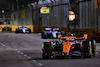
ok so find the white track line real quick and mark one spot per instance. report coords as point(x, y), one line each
point(34, 60)
point(29, 57)
point(22, 53)
point(40, 64)
point(25, 55)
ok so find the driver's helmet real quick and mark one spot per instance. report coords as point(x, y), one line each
point(69, 34)
point(53, 29)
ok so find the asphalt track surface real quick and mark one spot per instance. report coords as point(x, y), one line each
point(24, 50)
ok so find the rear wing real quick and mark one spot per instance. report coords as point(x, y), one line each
point(47, 29)
point(80, 38)
point(57, 29)
point(50, 28)
point(83, 37)
point(19, 26)
point(25, 27)
point(22, 26)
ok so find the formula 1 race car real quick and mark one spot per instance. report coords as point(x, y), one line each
point(23, 29)
point(69, 46)
point(51, 33)
point(6, 29)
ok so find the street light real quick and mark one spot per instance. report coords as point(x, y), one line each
point(71, 16)
point(3, 11)
point(3, 16)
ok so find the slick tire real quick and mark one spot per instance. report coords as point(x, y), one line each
point(81, 57)
point(93, 43)
point(51, 36)
point(48, 56)
point(63, 33)
point(10, 29)
point(16, 31)
point(87, 49)
point(29, 31)
point(3, 30)
point(47, 50)
point(43, 35)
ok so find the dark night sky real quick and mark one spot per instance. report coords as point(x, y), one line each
point(7, 4)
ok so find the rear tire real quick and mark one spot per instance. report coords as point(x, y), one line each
point(29, 31)
point(87, 52)
point(81, 57)
point(43, 35)
point(93, 43)
point(10, 29)
point(63, 33)
point(2, 29)
point(48, 56)
point(46, 50)
point(16, 31)
point(90, 51)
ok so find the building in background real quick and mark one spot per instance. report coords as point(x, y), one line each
point(86, 15)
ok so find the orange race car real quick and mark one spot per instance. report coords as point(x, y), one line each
point(69, 46)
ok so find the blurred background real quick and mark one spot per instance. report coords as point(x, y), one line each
point(28, 12)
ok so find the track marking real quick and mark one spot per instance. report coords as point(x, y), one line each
point(39, 33)
point(40, 64)
point(22, 53)
point(9, 36)
point(3, 34)
point(97, 52)
point(1, 43)
point(29, 57)
point(18, 51)
point(25, 55)
point(34, 60)
point(6, 46)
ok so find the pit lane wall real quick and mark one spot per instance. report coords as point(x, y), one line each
point(14, 27)
point(2, 26)
point(34, 28)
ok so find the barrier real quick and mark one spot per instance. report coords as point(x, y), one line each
point(14, 27)
point(34, 28)
point(30, 27)
point(2, 26)
point(64, 29)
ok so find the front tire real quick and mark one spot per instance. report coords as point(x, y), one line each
point(63, 33)
point(93, 43)
point(87, 48)
point(43, 35)
point(16, 31)
point(29, 31)
point(2, 29)
point(46, 51)
point(48, 56)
